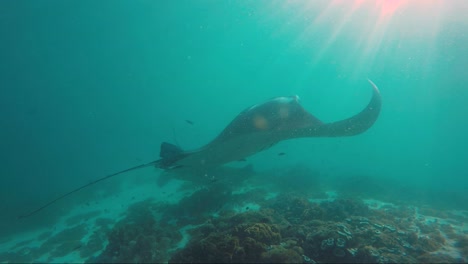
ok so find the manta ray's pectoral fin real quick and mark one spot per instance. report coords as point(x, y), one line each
point(354, 125)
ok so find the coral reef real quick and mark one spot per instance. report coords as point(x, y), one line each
point(232, 238)
point(280, 254)
point(234, 221)
point(138, 238)
point(288, 228)
point(341, 231)
point(261, 232)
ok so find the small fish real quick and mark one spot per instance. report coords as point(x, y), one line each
point(281, 154)
point(189, 122)
point(242, 160)
point(247, 208)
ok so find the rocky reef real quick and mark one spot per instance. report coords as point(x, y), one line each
point(138, 238)
point(286, 229)
point(249, 221)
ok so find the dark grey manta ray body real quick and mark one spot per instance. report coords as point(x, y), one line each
point(253, 130)
point(261, 126)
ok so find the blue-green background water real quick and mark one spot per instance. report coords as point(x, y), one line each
point(93, 87)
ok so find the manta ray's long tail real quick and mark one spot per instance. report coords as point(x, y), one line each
point(169, 153)
point(153, 163)
point(356, 124)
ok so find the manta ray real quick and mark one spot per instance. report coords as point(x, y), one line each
point(253, 130)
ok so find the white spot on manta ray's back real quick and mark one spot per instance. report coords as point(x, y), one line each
point(281, 99)
point(287, 99)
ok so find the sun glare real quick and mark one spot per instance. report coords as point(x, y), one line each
point(363, 28)
point(388, 7)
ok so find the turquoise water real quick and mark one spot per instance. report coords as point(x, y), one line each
point(93, 87)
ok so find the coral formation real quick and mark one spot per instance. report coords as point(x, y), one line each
point(138, 238)
point(237, 239)
point(289, 227)
point(286, 229)
point(217, 224)
point(262, 232)
point(280, 254)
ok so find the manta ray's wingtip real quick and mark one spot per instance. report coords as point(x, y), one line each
point(356, 124)
point(373, 85)
point(376, 100)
